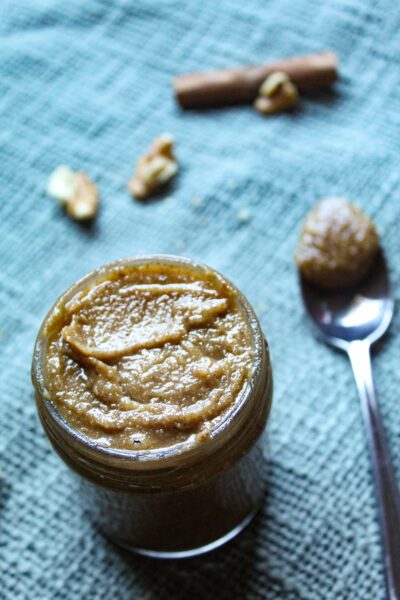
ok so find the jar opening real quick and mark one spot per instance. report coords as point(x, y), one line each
point(233, 421)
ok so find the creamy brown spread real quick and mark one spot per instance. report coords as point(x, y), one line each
point(149, 356)
point(338, 244)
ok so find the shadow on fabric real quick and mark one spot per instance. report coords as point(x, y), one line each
point(227, 572)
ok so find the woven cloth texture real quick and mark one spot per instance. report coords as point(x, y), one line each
point(87, 84)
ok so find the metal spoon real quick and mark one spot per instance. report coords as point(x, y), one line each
point(352, 321)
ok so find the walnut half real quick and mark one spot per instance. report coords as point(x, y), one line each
point(75, 191)
point(277, 93)
point(155, 168)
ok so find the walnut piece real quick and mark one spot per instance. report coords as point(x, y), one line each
point(277, 93)
point(75, 191)
point(61, 184)
point(155, 168)
point(84, 204)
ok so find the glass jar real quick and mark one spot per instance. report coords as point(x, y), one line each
point(176, 501)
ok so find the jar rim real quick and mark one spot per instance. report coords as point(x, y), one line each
point(148, 458)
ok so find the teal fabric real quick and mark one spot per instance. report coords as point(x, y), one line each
point(88, 84)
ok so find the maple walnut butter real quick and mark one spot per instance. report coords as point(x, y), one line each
point(149, 356)
point(338, 244)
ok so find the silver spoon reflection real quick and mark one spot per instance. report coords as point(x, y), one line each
point(352, 320)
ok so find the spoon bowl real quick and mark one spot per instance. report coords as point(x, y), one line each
point(363, 312)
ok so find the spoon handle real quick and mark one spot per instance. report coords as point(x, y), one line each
point(387, 490)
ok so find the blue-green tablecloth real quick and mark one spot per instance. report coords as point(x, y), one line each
point(88, 84)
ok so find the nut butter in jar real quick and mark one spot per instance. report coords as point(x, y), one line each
point(153, 383)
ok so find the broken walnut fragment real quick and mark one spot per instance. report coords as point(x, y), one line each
point(154, 169)
point(85, 201)
point(277, 93)
point(75, 191)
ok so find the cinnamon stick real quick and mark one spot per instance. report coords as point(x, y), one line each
point(230, 86)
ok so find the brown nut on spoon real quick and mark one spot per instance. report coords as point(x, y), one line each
point(353, 319)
